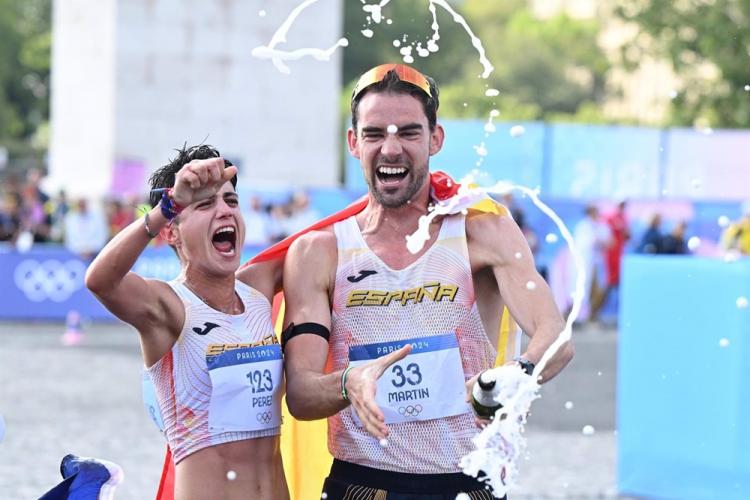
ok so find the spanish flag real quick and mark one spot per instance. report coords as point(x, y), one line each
point(304, 446)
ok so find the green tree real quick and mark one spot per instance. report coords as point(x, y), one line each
point(25, 43)
point(708, 45)
point(544, 68)
point(410, 21)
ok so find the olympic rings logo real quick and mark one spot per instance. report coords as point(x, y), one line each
point(264, 417)
point(49, 279)
point(410, 411)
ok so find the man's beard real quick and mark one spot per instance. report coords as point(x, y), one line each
point(400, 198)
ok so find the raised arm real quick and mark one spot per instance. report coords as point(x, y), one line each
point(150, 305)
point(143, 303)
point(497, 241)
point(309, 273)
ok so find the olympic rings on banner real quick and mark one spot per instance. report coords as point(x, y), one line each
point(50, 279)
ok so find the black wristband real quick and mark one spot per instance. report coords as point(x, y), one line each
point(293, 330)
point(526, 365)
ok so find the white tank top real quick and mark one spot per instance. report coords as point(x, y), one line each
point(181, 379)
point(369, 308)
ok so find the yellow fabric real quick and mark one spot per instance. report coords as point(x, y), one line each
point(506, 342)
point(304, 447)
point(304, 444)
point(737, 236)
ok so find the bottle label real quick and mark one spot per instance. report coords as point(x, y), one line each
point(427, 384)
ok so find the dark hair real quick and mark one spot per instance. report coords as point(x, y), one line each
point(392, 83)
point(164, 176)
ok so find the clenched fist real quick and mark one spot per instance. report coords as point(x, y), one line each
point(201, 179)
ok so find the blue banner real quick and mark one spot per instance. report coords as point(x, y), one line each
point(593, 162)
point(47, 282)
point(516, 158)
point(590, 162)
point(708, 164)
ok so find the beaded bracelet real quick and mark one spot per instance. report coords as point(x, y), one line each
point(169, 208)
point(343, 383)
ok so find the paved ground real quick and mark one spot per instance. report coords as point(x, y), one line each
point(86, 400)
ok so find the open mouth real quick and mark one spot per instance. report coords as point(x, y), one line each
point(225, 240)
point(391, 175)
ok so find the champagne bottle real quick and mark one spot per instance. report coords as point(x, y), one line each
point(483, 395)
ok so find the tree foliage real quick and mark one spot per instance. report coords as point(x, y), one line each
point(708, 45)
point(25, 44)
point(543, 67)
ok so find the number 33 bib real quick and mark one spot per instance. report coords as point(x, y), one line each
point(427, 384)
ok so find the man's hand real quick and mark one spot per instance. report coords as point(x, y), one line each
point(478, 421)
point(201, 179)
point(361, 385)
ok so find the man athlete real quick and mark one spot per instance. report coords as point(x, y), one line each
point(360, 306)
point(206, 337)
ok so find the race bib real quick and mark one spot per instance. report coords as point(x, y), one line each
point(246, 389)
point(427, 384)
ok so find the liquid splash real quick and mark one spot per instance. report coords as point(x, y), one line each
point(278, 56)
point(499, 445)
point(374, 15)
point(517, 130)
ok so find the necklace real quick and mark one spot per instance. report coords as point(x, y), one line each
point(233, 309)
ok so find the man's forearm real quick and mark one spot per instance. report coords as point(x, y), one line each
point(312, 395)
point(540, 342)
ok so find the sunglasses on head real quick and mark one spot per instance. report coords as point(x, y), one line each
point(405, 74)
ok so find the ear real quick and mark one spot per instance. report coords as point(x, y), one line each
point(171, 234)
point(352, 142)
point(437, 136)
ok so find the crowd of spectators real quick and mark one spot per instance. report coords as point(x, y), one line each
point(29, 215)
point(654, 241)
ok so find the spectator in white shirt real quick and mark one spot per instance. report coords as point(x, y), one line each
point(86, 230)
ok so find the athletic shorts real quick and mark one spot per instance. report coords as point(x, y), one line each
point(349, 481)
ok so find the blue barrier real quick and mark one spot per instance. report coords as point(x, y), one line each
point(516, 159)
point(707, 165)
point(593, 162)
point(683, 394)
point(589, 162)
point(48, 281)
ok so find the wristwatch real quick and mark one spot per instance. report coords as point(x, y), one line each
point(526, 365)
